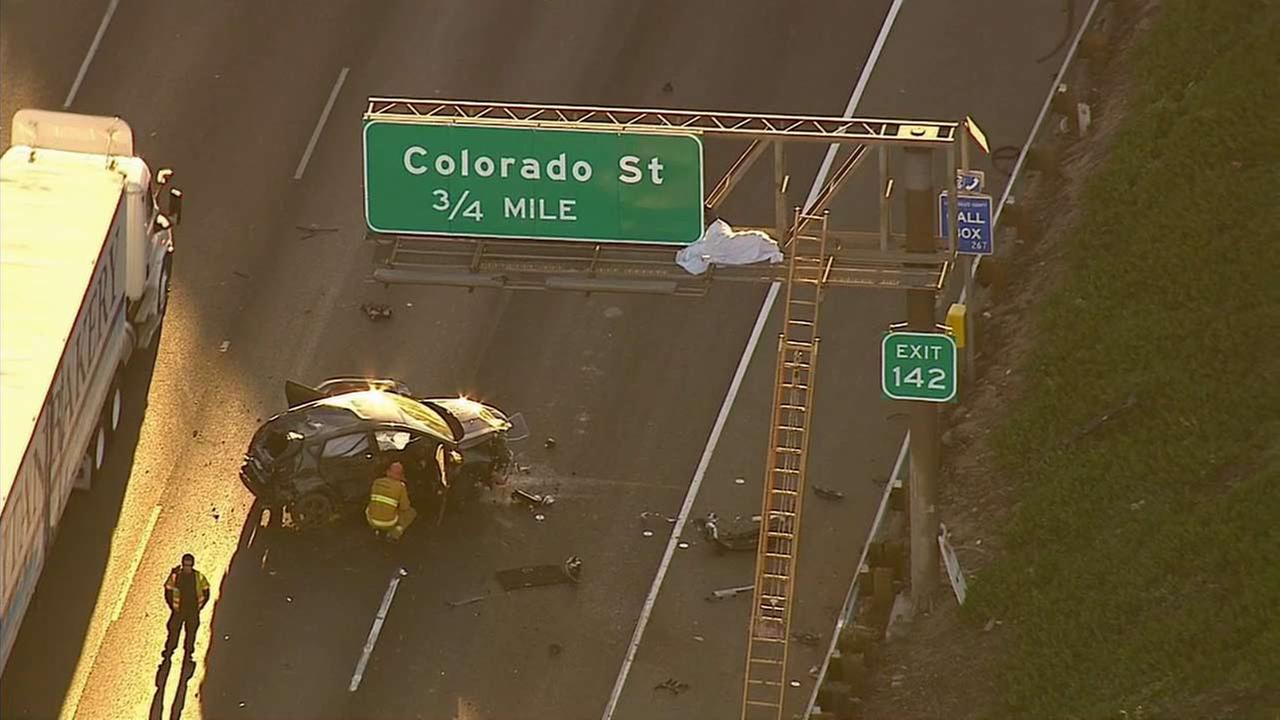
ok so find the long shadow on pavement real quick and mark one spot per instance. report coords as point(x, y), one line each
point(291, 618)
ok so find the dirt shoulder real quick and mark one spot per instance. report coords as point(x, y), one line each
point(1110, 480)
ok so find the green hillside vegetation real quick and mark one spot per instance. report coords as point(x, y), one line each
point(1143, 575)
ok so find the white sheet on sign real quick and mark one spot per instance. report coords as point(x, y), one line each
point(722, 245)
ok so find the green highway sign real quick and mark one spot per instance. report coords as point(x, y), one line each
point(512, 182)
point(918, 366)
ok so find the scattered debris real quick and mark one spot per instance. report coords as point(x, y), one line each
point(549, 443)
point(568, 572)
point(699, 638)
point(827, 493)
point(377, 311)
point(730, 592)
point(1137, 505)
point(313, 230)
point(1098, 422)
point(523, 469)
point(813, 671)
point(672, 685)
point(807, 638)
point(740, 535)
point(668, 87)
point(237, 273)
point(533, 499)
point(226, 345)
point(465, 601)
point(990, 624)
point(554, 649)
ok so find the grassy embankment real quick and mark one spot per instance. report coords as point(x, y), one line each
point(1144, 568)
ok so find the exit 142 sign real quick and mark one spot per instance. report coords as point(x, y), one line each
point(918, 366)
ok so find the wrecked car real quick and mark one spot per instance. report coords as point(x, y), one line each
point(318, 459)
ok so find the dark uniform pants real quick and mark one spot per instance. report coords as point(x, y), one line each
point(177, 621)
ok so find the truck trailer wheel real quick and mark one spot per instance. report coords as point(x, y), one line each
point(114, 409)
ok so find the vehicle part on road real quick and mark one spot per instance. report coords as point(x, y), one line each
point(532, 499)
point(313, 230)
point(672, 685)
point(377, 311)
point(807, 638)
point(567, 573)
point(466, 601)
point(827, 493)
point(730, 592)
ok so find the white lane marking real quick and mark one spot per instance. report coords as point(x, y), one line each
point(137, 560)
point(1035, 129)
point(324, 118)
point(650, 600)
point(93, 50)
point(376, 630)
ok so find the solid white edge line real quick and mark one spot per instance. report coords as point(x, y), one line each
point(1035, 129)
point(137, 560)
point(324, 118)
point(376, 630)
point(88, 57)
point(765, 309)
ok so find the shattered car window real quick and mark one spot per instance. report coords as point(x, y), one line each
point(346, 445)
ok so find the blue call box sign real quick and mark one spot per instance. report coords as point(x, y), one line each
point(973, 223)
point(970, 181)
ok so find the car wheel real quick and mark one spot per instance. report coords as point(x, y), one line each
point(313, 509)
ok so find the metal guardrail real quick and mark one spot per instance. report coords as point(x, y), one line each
point(849, 610)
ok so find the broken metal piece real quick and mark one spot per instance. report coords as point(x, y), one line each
point(566, 573)
point(672, 685)
point(807, 638)
point(730, 592)
point(376, 311)
point(827, 493)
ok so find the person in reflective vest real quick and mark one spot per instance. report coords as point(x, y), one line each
point(389, 510)
point(185, 592)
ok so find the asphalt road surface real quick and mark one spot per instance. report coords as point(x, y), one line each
point(231, 94)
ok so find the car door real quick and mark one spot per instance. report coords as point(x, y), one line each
point(349, 464)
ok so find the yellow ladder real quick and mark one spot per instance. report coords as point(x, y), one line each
point(765, 683)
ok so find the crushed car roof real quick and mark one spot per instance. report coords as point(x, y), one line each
point(379, 406)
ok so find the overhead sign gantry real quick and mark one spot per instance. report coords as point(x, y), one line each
point(616, 188)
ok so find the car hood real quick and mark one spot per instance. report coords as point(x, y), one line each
point(477, 419)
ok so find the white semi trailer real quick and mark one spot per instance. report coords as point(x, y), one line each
point(86, 247)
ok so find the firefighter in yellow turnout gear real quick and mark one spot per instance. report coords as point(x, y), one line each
point(389, 510)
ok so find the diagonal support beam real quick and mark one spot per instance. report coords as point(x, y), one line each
point(735, 172)
point(832, 186)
